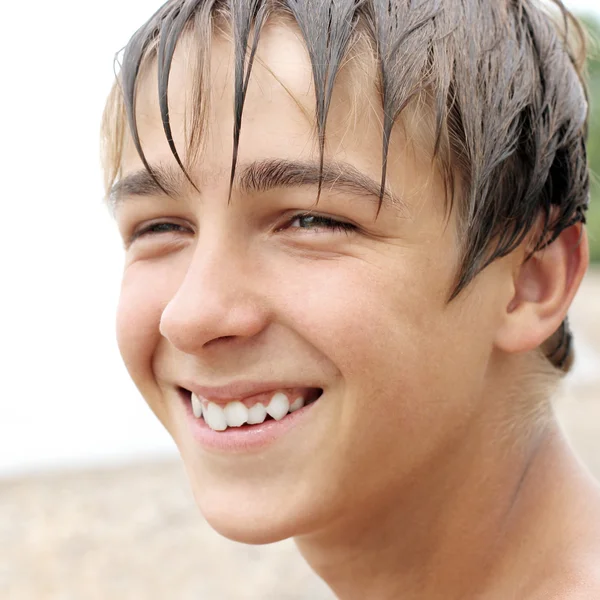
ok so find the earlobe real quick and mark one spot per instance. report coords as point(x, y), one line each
point(544, 287)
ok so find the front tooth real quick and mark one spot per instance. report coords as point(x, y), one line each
point(279, 406)
point(215, 417)
point(236, 414)
point(196, 406)
point(257, 414)
point(297, 404)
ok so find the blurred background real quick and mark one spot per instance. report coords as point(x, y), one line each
point(93, 501)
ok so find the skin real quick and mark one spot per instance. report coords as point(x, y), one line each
point(421, 472)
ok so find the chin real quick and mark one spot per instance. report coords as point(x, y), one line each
point(253, 502)
point(247, 523)
point(258, 534)
point(258, 514)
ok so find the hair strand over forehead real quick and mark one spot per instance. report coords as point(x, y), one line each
point(327, 26)
point(244, 13)
point(170, 31)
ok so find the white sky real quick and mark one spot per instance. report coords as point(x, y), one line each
point(65, 396)
point(590, 6)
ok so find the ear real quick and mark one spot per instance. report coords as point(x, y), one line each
point(544, 287)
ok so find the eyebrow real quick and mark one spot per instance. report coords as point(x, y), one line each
point(256, 177)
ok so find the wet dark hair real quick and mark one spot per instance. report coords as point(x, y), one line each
point(503, 80)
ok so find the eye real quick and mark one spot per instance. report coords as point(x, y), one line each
point(312, 222)
point(158, 228)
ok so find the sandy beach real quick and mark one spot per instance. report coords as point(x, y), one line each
point(135, 533)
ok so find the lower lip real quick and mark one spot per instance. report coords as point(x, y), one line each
point(246, 438)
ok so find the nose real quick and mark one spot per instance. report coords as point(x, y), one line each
point(216, 300)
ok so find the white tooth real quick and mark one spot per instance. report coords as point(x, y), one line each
point(257, 414)
point(236, 414)
point(215, 417)
point(297, 404)
point(196, 406)
point(279, 406)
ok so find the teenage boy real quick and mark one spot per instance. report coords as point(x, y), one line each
point(353, 231)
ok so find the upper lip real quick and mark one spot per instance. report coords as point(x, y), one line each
point(239, 390)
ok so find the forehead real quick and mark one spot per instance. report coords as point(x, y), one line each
point(278, 113)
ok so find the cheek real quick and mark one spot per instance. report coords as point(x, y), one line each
point(140, 307)
point(368, 318)
point(397, 345)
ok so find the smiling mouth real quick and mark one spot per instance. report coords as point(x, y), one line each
point(253, 411)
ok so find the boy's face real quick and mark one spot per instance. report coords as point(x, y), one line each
point(248, 292)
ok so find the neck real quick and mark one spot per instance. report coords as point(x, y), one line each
point(454, 532)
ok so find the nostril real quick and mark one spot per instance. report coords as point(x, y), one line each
point(218, 340)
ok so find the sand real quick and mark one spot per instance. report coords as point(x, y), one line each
point(135, 533)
